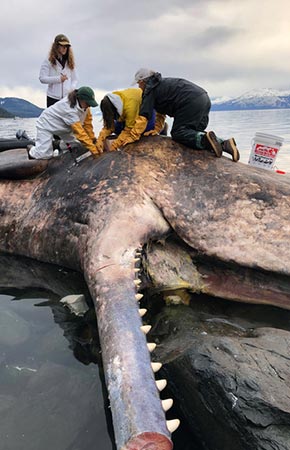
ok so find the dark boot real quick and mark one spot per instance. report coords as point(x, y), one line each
point(229, 146)
point(212, 143)
point(56, 144)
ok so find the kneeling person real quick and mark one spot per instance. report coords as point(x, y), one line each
point(120, 109)
point(70, 119)
point(187, 103)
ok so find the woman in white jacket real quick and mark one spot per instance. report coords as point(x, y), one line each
point(58, 70)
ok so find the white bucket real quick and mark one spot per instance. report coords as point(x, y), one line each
point(264, 151)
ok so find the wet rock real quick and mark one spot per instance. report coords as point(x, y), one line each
point(76, 304)
point(228, 367)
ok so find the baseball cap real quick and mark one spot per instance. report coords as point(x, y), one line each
point(61, 39)
point(142, 74)
point(87, 94)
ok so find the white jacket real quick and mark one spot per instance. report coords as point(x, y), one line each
point(51, 75)
point(59, 117)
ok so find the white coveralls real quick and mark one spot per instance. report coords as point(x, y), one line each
point(70, 124)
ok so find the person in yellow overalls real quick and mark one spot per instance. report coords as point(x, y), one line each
point(120, 109)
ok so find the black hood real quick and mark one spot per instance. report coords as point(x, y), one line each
point(152, 82)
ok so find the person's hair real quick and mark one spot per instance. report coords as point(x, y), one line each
point(69, 57)
point(72, 98)
point(109, 111)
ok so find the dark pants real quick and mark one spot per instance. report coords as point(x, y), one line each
point(190, 120)
point(49, 102)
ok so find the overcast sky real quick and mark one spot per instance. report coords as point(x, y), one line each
point(227, 46)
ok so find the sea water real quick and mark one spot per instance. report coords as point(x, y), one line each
point(242, 125)
point(52, 395)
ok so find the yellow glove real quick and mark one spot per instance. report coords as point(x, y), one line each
point(88, 125)
point(82, 136)
point(151, 133)
point(104, 133)
point(139, 128)
point(96, 153)
point(159, 125)
point(114, 147)
point(119, 141)
point(135, 132)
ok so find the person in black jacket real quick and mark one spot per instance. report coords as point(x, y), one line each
point(187, 103)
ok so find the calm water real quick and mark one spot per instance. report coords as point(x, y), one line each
point(244, 124)
point(52, 393)
point(51, 384)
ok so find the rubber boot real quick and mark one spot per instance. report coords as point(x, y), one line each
point(212, 142)
point(229, 146)
point(56, 144)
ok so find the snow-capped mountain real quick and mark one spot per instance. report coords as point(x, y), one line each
point(256, 99)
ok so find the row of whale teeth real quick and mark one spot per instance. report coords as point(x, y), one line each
point(173, 424)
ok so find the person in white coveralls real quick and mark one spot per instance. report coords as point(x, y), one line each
point(69, 118)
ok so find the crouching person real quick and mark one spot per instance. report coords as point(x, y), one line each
point(70, 119)
point(120, 110)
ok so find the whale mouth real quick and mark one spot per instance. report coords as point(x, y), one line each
point(173, 266)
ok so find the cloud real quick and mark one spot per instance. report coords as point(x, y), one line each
point(35, 96)
point(228, 47)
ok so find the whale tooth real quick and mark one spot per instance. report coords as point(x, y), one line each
point(139, 296)
point(136, 260)
point(161, 384)
point(156, 366)
point(145, 328)
point(151, 346)
point(172, 425)
point(167, 404)
point(142, 312)
point(136, 270)
point(137, 282)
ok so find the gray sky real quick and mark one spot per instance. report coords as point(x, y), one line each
point(227, 46)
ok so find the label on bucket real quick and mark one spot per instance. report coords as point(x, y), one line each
point(263, 156)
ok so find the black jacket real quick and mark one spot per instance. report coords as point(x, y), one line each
point(167, 95)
